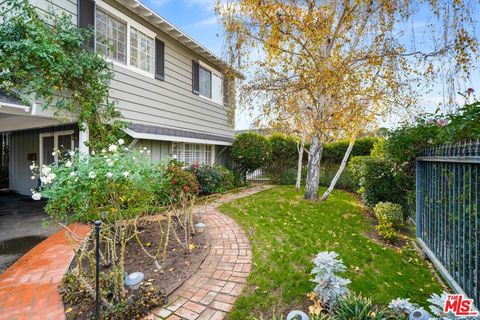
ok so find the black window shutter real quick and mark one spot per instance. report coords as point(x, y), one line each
point(195, 77)
point(159, 59)
point(86, 17)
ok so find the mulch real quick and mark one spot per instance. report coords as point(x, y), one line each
point(175, 269)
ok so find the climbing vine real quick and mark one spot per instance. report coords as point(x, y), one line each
point(44, 57)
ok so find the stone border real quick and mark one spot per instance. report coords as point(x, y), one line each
point(211, 292)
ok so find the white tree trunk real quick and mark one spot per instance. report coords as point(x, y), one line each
point(339, 171)
point(313, 173)
point(300, 162)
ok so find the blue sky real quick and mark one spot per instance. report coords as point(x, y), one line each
point(197, 19)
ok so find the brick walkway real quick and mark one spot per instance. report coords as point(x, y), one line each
point(211, 292)
point(29, 288)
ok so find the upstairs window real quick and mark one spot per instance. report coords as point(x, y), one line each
point(205, 83)
point(111, 37)
point(142, 53)
point(128, 43)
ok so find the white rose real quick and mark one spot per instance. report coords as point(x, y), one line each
point(32, 177)
point(141, 151)
point(120, 142)
point(71, 153)
point(54, 153)
point(92, 175)
point(36, 196)
point(126, 174)
point(93, 153)
point(46, 170)
point(33, 166)
point(68, 164)
point(174, 156)
point(113, 148)
point(103, 150)
point(109, 174)
point(126, 149)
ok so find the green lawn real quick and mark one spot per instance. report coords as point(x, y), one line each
point(286, 232)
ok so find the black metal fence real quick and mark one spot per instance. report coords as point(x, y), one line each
point(447, 219)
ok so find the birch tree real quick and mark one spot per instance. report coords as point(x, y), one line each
point(343, 56)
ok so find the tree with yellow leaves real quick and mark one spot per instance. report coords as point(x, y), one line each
point(334, 66)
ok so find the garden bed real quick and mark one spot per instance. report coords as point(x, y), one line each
point(175, 269)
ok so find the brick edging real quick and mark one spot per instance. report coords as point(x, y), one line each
point(29, 287)
point(211, 292)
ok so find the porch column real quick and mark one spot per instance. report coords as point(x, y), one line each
point(82, 140)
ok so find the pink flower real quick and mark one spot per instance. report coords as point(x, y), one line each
point(442, 122)
point(470, 90)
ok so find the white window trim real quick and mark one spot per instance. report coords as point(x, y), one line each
point(214, 72)
point(130, 23)
point(212, 150)
point(55, 142)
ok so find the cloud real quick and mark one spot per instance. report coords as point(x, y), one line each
point(209, 21)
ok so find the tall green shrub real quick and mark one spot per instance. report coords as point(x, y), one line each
point(334, 152)
point(250, 151)
point(378, 181)
point(284, 155)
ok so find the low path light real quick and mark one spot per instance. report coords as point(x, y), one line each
point(419, 314)
point(133, 280)
point(297, 315)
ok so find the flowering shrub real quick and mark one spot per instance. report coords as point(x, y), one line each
point(212, 178)
point(114, 184)
point(330, 287)
point(179, 181)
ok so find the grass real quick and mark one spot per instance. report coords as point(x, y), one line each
point(286, 232)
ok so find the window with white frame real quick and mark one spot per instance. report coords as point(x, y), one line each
point(123, 40)
point(205, 82)
point(193, 152)
point(141, 50)
point(111, 36)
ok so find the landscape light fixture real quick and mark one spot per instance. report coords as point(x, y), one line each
point(133, 280)
point(297, 315)
point(419, 314)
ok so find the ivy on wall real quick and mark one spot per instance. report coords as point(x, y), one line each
point(44, 58)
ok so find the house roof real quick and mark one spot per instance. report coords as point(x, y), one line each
point(9, 99)
point(142, 131)
point(154, 18)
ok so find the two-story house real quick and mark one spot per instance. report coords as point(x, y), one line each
point(168, 88)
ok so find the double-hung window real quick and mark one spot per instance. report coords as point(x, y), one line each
point(111, 36)
point(207, 82)
point(141, 51)
point(126, 42)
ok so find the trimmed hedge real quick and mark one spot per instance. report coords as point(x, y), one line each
point(284, 156)
point(333, 152)
point(378, 181)
point(250, 151)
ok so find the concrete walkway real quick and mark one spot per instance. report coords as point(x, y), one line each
point(29, 288)
point(211, 292)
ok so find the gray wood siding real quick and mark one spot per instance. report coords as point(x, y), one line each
point(168, 103)
point(58, 6)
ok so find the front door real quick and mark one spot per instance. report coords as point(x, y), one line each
point(51, 142)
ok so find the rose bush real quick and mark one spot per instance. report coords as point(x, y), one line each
point(114, 184)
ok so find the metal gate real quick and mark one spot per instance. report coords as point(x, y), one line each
point(447, 213)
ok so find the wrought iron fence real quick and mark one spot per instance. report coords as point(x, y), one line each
point(447, 213)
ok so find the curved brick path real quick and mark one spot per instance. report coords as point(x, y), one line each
point(211, 292)
point(29, 288)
